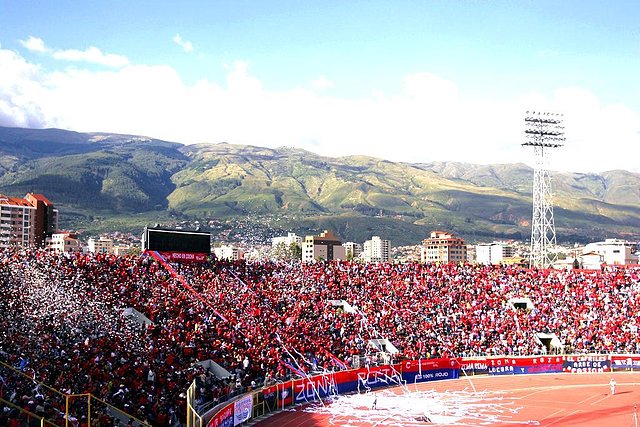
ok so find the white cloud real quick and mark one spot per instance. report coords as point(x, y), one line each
point(187, 46)
point(22, 90)
point(431, 120)
point(92, 55)
point(34, 44)
point(322, 83)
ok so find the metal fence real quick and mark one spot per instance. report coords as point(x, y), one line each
point(54, 407)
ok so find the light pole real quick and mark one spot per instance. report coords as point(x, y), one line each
point(543, 132)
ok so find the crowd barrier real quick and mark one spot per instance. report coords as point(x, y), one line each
point(72, 408)
point(298, 391)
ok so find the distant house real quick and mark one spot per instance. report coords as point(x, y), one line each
point(103, 245)
point(121, 249)
point(614, 251)
point(591, 261)
point(228, 252)
point(494, 253)
point(326, 246)
point(352, 250)
point(286, 240)
point(443, 247)
point(64, 242)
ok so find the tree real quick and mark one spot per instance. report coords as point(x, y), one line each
point(296, 250)
point(284, 252)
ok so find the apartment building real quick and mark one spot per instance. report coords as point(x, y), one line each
point(376, 250)
point(102, 245)
point(64, 242)
point(26, 221)
point(494, 253)
point(326, 246)
point(352, 250)
point(443, 247)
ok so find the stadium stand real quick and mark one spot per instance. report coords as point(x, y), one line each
point(63, 325)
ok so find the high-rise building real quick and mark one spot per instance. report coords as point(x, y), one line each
point(27, 221)
point(376, 250)
point(443, 247)
point(46, 218)
point(326, 246)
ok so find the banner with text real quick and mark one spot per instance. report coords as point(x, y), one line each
point(587, 364)
point(524, 365)
point(364, 379)
point(223, 418)
point(184, 256)
point(623, 362)
point(242, 409)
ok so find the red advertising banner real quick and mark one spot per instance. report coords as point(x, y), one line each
point(477, 365)
point(184, 256)
point(427, 364)
point(224, 417)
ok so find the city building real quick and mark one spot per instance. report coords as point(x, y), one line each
point(591, 261)
point(286, 240)
point(326, 246)
point(103, 245)
point(120, 250)
point(26, 221)
point(494, 253)
point(443, 247)
point(64, 242)
point(352, 250)
point(614, 251)
point(232, 253)
point(376, 250)
point(46, 218)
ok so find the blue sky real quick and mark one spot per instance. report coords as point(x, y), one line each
point(403, 80)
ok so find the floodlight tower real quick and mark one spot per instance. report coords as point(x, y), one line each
point(543, 132)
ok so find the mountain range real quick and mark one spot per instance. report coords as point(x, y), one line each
point(98, 178)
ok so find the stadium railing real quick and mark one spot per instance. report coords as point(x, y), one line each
point(68, 407)
point(23, 414)
point(193, 419)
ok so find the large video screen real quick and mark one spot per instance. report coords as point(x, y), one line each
point(177, 241)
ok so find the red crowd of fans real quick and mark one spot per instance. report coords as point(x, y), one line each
point(63, 323)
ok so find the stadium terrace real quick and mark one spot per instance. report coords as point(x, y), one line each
point(62, 324)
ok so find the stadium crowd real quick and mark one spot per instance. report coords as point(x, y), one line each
point(63, 323)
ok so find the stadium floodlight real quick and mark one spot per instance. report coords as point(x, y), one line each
point(543, 131)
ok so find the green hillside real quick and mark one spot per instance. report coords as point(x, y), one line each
point(130, 180)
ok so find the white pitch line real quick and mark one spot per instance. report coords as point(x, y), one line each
point(587, 399)
point(568, 415)
point(560, 387)
point(600, 400)
point(552, 414)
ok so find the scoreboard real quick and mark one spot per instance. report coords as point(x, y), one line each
point(177, 244)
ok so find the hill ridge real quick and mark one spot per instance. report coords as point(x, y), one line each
point(104, 174)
